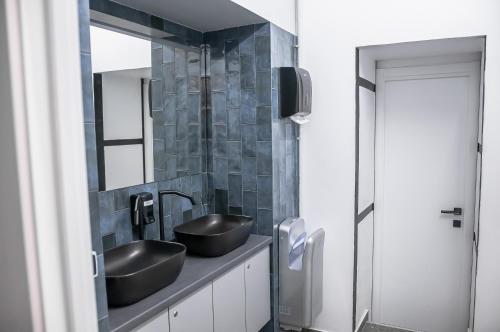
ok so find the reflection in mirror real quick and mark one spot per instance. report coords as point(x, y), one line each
point(121, 65)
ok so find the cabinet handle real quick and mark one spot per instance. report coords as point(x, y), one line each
point(175, 313)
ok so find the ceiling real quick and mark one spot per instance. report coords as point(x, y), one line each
point(201, 15)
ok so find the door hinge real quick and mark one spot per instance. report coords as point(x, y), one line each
point(479, 148)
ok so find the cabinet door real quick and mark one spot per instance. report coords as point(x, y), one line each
point(157, 324)
point(194, 313)
point(257, 288)
point(229, 301)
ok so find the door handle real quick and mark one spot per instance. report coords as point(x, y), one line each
point(456, 211)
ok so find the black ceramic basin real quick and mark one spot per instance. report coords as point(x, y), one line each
point(215, 234)
point(138, 269)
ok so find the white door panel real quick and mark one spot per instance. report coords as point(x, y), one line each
point(193, 314)
point(426, 140)
point(229, 301)
point(257, 288)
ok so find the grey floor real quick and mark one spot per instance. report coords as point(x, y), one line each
point(369, 327)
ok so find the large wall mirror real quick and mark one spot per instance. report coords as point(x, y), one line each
point(147, 100)
point(121, 65)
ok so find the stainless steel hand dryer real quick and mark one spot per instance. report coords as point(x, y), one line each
point(300, 274)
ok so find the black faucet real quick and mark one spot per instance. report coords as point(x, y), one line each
point(162, 193)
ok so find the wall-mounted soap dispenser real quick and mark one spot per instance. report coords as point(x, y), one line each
point(295, 94)
point(142, 208)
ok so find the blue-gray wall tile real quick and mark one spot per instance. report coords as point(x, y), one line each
point(87, 88)
point(193, 68)
point(233, 125)
point(235, 190)
point(265, 220)
point(264, 123)
point(168, 54)
point(220, 140)
point(91, 154)
point(247, 40)
point(181, 93)
point(182, 125)
point(103, 324)
point(194, 142)
point(156, 94)
point(169, 110)
point(263, 88)
point(95, 222)
point(219, 107)
point(233, 89)
point(264, 158)
point(170, 139)
point(262, 29)
point(194, 165)
point(84, 25)
point(250, 203)
point(221, 201)
point(232, 55)
point(265, 192)
point(234, 156)
point(171, 161)
point(218, 72)
point(220, 173)
point(247, 75)
point(249, 138)
point(156, 61)
point(247, 108)
point(236, 210)
point(180, 62)
point(168, 78)
point(182, 154)
point(249, 173)
point(262, 53)
point(193, 107)
point(100, 285)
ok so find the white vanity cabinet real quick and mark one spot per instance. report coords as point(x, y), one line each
point(194, 313)
point(242, 296)
point(237, 301)
point(257, 287)
point(229, 301)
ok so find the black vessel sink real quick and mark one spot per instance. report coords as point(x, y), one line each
point(214, 235)
point(140, 268)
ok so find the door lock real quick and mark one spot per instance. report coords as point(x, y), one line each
point(456, 211)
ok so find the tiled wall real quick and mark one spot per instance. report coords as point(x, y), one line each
point(285, 134)
point(252, 152)
point(91, 154)
point(239, 123)
point(230, 150)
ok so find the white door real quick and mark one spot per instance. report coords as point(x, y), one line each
point(229, 301)
point(257, 290)
point(194, 313)
point(426, 150)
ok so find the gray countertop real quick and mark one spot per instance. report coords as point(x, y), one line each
point(196, 273)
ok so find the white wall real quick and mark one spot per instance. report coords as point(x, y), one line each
point(279, 12)
point(108, 48)
point(329, 32)
point(15, 299)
